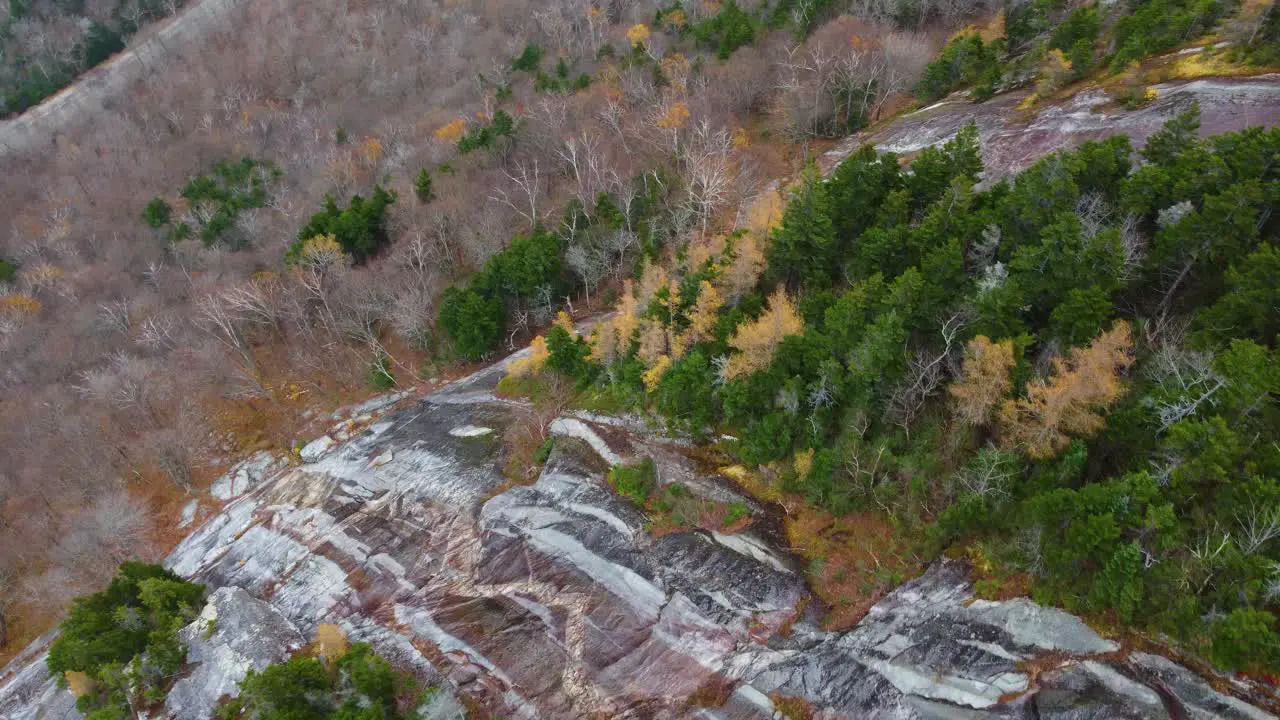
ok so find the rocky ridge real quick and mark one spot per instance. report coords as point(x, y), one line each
point(1013, 139)
point(552, 600)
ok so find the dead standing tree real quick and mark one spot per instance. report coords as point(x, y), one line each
point(529, 182)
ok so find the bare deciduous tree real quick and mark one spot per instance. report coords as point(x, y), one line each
point(528, 180)
point(927, 372)
point(1259, 525)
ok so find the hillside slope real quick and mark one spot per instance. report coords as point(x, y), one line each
point(554, 600)
point(902, 393)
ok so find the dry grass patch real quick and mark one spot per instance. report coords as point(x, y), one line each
point(992, 581)
point(80, 684)
point(792, 708)
point(528, 444)
point(676, 509)
point(26, 621)
point(852, 560)
point(988, 31)
point(714, 692)
point(528, 439)
point(1209, 63)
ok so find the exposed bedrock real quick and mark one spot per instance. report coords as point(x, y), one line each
point(553, 600)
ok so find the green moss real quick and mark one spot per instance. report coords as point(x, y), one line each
point(634, 482)
point(737, 511)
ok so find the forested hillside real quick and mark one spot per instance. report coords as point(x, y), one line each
point(334, 199)
point(1070, 376)
point(46, 44)
point(263, 226)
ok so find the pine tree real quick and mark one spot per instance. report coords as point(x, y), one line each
point(803, 247)
point(157, 213)
point(567, 353)
point(858, 187)
point(935, 169)
point(473, 320)
point(422, 187)
point(1251, 305)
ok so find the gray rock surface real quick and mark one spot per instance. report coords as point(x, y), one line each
point(244, 475)
point(188, 514)
point(552, 600)
point(235, 633)
point(1012, 140)
point(1191, 691)
point(27, 692)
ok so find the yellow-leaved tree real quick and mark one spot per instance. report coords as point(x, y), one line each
point(676, 69)
point(675, 117)
point(532, 363)
point(19, 305)
point(1055, 72)
point(652, 341)
point(703, 248)
point(984, 379)
point(323, 252)
point(704, 315)
point(452, 132)
point(638, 36)
point(653, 375)
point(755, 341)
point(803, 463)
point(740, 275)
point(371, 151)
point(658, 336)
point(653, 278)
point(612, 338)
point(1070, 402)
point(565, 322)
point(41, 276)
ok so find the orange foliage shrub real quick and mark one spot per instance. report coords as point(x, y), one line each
point(20, 305)
point(452, 132)
point(675, 118)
